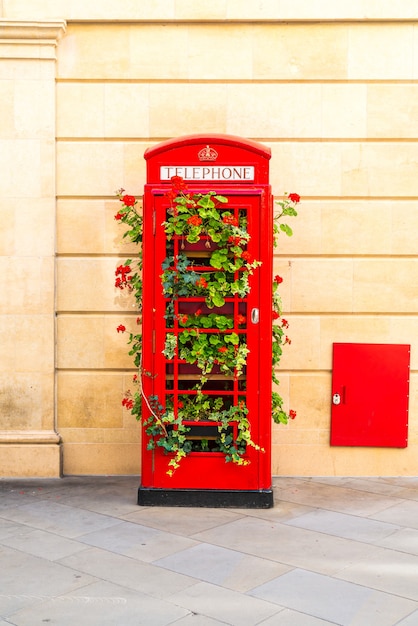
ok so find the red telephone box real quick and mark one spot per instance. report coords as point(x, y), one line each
point(237, 169)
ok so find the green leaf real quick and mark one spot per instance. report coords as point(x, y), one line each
point(232, 338)
point(206, 202)
point(215, 237)
point(286, 229)
point(217, 299)
point(219, 258)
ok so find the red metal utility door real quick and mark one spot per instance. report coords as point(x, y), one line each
point(370, 393)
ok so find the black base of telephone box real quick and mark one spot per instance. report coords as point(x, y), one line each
point(211, 498)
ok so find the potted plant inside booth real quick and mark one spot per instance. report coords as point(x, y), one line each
point(210, 341)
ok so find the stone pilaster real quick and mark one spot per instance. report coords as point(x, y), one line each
point(29, 443)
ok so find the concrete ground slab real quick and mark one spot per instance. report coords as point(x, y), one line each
point(79, 550)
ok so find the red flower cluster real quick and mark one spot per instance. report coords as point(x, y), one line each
point(235, 241)
point(223, 349)
point(194, 220)
point(121, 328)
point(246, 256)
point(122, 269)
point(230, 220)
point(285, 323)
point(183, 319)
point(180, 404)
point(278, 279)
point(178, 182)
point(202, 283)
point(118, 216)
point(294, 197)
point(122, 279)
point(128, 403)
point(171, 195)
point(292, 414)
point(128, 200)
point(241, 319)
point(275, 315)
point(287, 340)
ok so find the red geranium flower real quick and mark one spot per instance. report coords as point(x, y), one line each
point(128, 200)
point(178, 182)
point(241, 319)
point(183, 319)
point(121, 328)
point(275, 315)
point(287, 340)
point(122, 280)
point(194, 220)
point(171, 195)
point(180, 404)
point(128, 403)
point(202, 283)
point(246, 256)
point(292, 414)
point(230, 220)
point(278, 279)
point(122, 270)
point(294, 197)
point(223, 349)
point(285, 323)
point(118, 216)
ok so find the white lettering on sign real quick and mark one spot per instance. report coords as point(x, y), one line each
point(208, 172)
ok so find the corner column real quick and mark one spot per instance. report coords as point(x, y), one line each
point(29, 443)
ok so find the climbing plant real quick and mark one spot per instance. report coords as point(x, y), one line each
point(201, 217)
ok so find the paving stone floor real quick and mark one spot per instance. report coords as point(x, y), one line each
point(79, 551)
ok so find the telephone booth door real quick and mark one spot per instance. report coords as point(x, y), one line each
point(205, 476)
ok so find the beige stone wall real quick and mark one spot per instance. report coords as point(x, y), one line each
point(336, 102)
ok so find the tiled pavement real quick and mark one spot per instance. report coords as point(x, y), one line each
point(79, 551)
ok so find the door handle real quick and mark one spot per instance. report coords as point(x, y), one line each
point(255, 315)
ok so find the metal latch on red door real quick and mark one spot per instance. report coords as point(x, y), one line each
point(255, 316)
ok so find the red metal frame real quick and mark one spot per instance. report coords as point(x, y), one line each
point(208, 470)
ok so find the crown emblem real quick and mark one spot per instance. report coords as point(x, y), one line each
point(207, 154)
